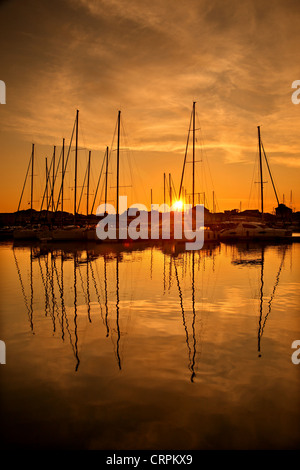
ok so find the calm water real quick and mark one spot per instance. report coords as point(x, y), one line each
point(110, 347)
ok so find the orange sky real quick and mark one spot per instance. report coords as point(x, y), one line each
point(152, 59)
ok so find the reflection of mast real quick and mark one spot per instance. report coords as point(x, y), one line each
point(118, 167)
point(62, 290)
point(117, 310)
point(45, 284)
point(261, 175)
point(183, 314)
point(75, 315)
point(193, 195)
point(261, 325)
point(261, 297)
point(88, 287)
point(194, 317)
point(192, 356)
point(76, 161)
point(29, 309)
point(31, 163)
point(106, 303)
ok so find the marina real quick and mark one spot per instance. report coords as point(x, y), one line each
point(52, 224)
point(149, 229)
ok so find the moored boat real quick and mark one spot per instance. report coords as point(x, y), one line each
point(253, 231)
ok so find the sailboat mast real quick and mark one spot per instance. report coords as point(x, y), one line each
point(62, 175)
point(193, 190)
point(76, 158)
point(88, 184)
point(47, 184)
point(32, 169)
point(118, 162)
point(261, 175)
point(170, 189)
point(106, 176)
point(53, 177)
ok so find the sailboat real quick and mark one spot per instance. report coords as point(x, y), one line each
point(29, 232)
point(248, 230)
point(209, 234)
point(71, 232)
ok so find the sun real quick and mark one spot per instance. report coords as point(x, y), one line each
point(178, 205)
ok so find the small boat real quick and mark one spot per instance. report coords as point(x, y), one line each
point(252, 231)
point(69, 232)
point(25, 234)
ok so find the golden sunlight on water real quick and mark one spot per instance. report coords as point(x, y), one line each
point(135, 347)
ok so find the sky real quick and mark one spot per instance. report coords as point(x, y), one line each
point(151, 59)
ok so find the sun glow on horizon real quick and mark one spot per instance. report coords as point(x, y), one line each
point(178, 205)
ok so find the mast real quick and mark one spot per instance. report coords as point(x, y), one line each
point(193, 191)
point(76, 158)
point(62, 175)
point(185, 156)
point(118, 163)
point(32, 168)
point(88, 184)
point(24, 183)
point(261, 175)
point(98, 182)
point(53, 177)
point(164, 190)
point(170, 189)
point(47, 184)
point(106, 173)
point(273, 184)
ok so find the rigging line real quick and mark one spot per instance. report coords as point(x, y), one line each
point(97, 187)
point(53, 183)
point(46, 185)
point(173, 185)
point(253, 174)
point(270, 173)
point(24, 183)
point(65, 168)
point(185, 156)
point(82, 188)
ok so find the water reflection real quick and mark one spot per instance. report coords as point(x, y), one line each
point(90, 287)
point(242, 259)
point(170, 349)
point(262, 321)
